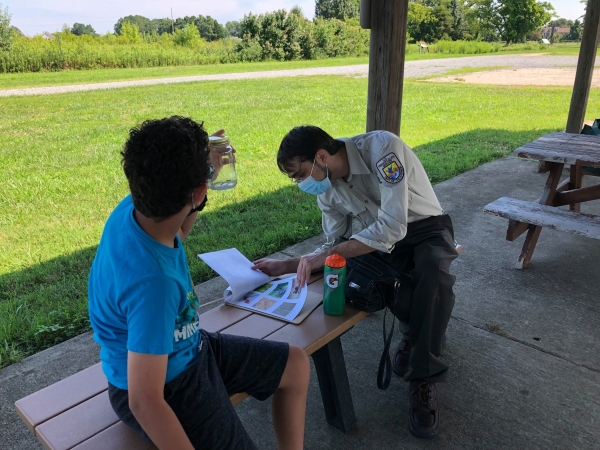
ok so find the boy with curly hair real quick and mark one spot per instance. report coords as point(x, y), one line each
point(168, 379)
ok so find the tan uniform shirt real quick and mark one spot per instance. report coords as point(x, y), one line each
point(387, 188)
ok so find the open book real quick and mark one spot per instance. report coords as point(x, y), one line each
point(255, 291)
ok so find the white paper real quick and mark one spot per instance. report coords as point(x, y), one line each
point(253, 290)
point(236, 269)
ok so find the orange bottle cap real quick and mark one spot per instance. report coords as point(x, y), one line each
point(336, 261)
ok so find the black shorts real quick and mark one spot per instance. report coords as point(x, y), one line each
point(200, 396)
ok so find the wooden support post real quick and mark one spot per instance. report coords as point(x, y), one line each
point(575, 182)
point(515, 229)
point(335, 389)
point(543, 167)
point(585, 67)
point(386, 64)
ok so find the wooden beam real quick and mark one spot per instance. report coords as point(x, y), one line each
point(386, 64)
point(515, 229)
point(577, 196)
point(585, 67)
point(563, 186)
point(551, 184)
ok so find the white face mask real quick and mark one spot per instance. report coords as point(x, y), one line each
point(314, 187)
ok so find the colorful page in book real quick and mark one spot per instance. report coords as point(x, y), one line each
point(282, 299)
point(236, 269)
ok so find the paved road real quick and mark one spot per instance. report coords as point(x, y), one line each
point(414, 69)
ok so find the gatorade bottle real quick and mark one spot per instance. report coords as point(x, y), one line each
point(334, 285)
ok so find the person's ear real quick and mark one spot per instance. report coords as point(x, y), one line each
point(322, 156)
point(199, 194)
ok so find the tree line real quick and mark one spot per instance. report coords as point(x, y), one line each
point(433, 20)
point(451, 26)
point(429, 21)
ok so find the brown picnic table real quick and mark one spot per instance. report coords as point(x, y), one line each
point(75, 413)
point(555, 151)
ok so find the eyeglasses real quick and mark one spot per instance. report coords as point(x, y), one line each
point(297, 180)
point(300, 180)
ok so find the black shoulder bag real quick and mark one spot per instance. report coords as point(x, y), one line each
point(372, 285)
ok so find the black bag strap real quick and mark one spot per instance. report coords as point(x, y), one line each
point(388, 275)
point(384, 374)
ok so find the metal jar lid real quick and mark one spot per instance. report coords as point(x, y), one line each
point(218, 141)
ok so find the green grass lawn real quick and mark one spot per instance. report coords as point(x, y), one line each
point(567, 48)
point(61, 175)
point(40, 79)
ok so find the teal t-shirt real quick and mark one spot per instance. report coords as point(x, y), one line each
point(141, 298)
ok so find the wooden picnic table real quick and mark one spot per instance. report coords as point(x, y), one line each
point(555, 151)
point(75, 413)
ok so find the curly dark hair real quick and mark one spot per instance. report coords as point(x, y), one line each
point(164, 161)
point(303, 142)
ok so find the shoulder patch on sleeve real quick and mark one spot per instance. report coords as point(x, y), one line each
point(390, 168)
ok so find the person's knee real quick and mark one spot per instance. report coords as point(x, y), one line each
point(432, 268)
point(297, 370)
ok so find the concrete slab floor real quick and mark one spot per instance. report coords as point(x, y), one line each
point(506, 390)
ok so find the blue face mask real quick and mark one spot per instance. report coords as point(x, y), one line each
point(312, 186)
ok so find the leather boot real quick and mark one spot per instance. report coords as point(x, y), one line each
point(423, 414)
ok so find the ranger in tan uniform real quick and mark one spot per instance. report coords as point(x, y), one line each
point(386, 189)
point(378, 180)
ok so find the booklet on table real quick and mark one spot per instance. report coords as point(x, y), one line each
point(253, 290)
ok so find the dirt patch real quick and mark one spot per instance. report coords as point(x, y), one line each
point(519, 77)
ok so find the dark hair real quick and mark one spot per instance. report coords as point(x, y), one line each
point(164, 161)
point(303, 142)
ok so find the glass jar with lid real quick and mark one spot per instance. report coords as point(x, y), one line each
point(223, 160)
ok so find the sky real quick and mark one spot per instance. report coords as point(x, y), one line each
point(36, 16)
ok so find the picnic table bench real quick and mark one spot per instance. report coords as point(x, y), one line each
point(75, 413)
point(554, 151)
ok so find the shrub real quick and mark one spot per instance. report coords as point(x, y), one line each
point(283, 36)
point(277, 33)
point(250, 51)
point(189, 36)
point(130, 33)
